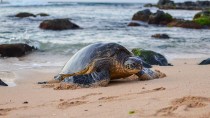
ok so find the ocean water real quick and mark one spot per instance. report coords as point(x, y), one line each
point(101, 22)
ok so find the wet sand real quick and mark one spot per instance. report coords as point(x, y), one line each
point(184, 93)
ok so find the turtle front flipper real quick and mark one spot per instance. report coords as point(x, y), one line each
point(148, 74)
point(97, 78)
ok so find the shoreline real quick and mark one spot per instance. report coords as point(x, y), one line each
point(185, 81)
point(21, 64)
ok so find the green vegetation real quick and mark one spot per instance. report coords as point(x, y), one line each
point(168, 16)
point(146, 55)
point(203, 20)
point(137, 51)
point(142, 52)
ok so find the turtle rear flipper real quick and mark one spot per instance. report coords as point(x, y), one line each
point(97, 78)
point(148, 74)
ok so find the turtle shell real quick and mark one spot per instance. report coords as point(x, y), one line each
point(83, 58)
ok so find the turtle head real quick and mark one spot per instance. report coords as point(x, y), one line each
point(135, 64)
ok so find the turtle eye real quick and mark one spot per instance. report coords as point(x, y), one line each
point(128, 66)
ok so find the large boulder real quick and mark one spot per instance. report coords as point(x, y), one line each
point(161, 36)
point(58, 24)
point(203, 18)
point(185, 24)
point(134, 24)
point(14, 50)
point(42, 14)
point(205, 62)
point(189, 4)
point(2, 83)
point(163, 2)
point(142, 15)
point(203, 3)
point(151, 57)
point(160, 17)
point(24, 14)
point(148, 5)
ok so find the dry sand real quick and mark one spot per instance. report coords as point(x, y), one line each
point(184, 93)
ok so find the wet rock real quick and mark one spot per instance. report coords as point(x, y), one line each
point(42, 14)
point(203, 18)
point(187, 5)
point(58, 24)
point(142, 15)
point(161, 36)
point(203, 3)
point(24, 14)
point(185, 24)
point(205, 62)
point(205, 13)
point(2, 83)
point(160, 17)
point(151, 57)
point(146, 15)
point(149, 5)
point(165, 2)
point(134, 24)
point(14, 50)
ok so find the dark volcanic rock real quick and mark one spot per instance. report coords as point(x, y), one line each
point(14, 50)
point(165, 2)
point(142, 15)
point(200, 21)
point(203, 18)
point(203, 3)
point(42, 14)
point(160, 18)
point(58, 24)
point(205, 62)
point(148, 5)
point(151, 57)
point(205, 13)
point(2, 83)
point(161, 36)
point(24, 14)
point(185, 24)
point(134, 24)
point(146, 15)
point(187, 5)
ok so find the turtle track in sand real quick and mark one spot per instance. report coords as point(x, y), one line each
point(187, 102)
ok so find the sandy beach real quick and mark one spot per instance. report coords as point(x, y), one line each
point(184, 93)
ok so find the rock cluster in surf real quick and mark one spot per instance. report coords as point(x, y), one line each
point(200, 21)
point(26, 14)
point(186, 5)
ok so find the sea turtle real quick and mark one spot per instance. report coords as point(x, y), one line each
point(98, 63)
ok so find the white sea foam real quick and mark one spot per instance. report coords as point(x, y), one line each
point(27, 2)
